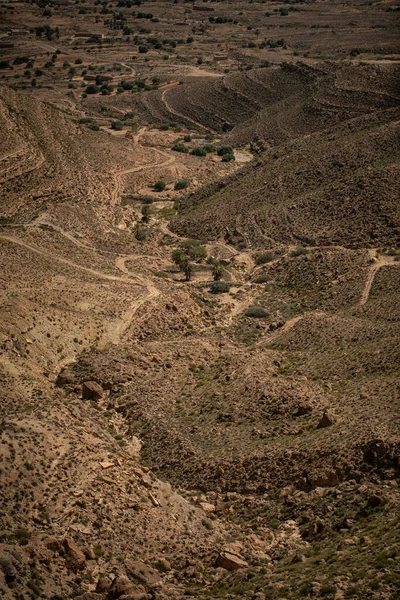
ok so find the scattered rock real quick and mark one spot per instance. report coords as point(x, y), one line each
point(121, 586)
point(230, 562)
point(75, 559)
point(365, 540)
point(142, 572)
point(207, 507)
point(375, 501)
point(299, 558)
point(303, 409)
point(327, 420)
point(91, 390)
point(66, 377)
point(7, 566)
point(103, 584)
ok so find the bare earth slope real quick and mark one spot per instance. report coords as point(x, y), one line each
point(334, 187)
point(158, 440)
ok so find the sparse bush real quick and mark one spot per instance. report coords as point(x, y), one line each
point(94, 126)
point(219, 287)
point(299, 251)
point(217, 270)
point(199, 151)
point(146, 199)
point(182, 184)
point(179, 147)
point(140, 233)
point(256, 312)
point(160, 186)
point(117, 125)
point(22, 536)
point(146, 211)
point(177, 256)
point(264, 257)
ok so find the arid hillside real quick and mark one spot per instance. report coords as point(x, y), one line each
point(328, 173)
point(199, 309)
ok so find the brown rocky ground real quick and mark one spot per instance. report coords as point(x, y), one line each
point(157, 440)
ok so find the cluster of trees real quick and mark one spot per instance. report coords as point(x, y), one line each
point(47, 31)
point(272, 44)
point(221, 20)
point(225, 151)
point(194, 250)
point(106, 88)
point(154, 43)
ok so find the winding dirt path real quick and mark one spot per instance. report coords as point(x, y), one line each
point(70, 263)
point(170, 159)
point(382, 261)
point(116, 327)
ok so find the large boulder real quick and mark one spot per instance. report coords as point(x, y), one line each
point(66, 377)
point(327, 420)
point(91, 390)
point(230, 562)
point(143, 573)
point(123, 588)
point(75, 558)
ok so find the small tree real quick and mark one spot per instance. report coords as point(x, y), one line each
point(179, 147)
point(187, 268)
point(177, 256)
point(217, 271)
point(146, 211)
point(199, 151)
point(92, 89)
point(117, 125)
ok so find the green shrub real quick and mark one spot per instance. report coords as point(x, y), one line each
point(256, 312)
point(179, 147)
point(219, 287)
point(92, 89)
point(299, 251)
point(94, 126)
point(117, 125)
point(160, 186)
point(199, 151)
point(182, 184)
point(264, 257)
point(209, 148)
point(146, 199)
point(225, 150)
